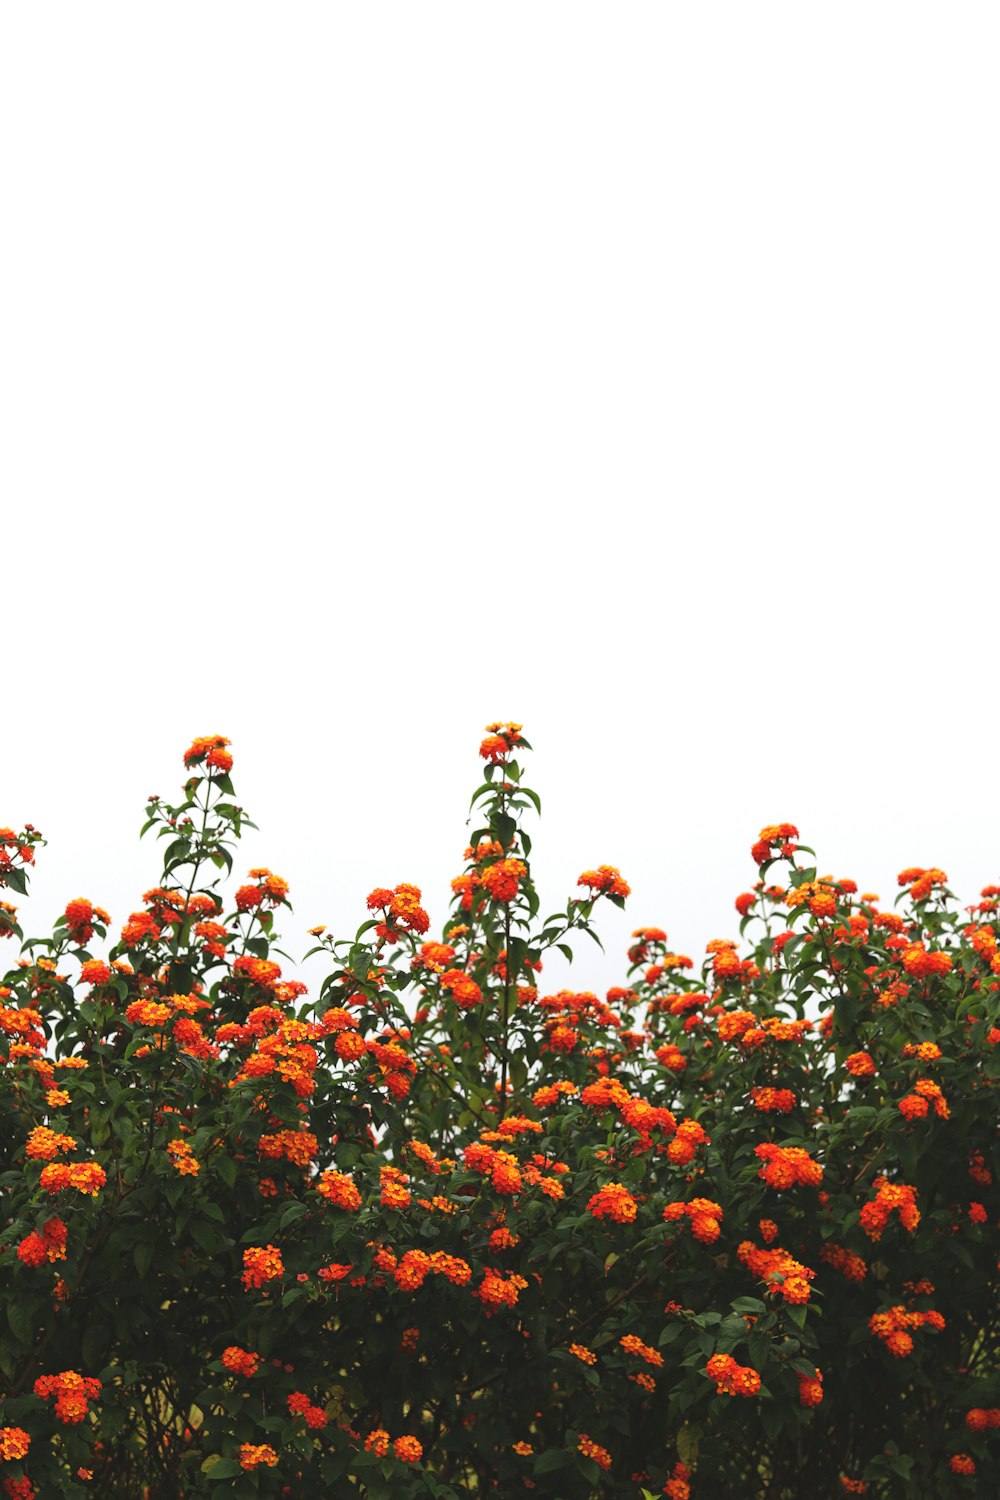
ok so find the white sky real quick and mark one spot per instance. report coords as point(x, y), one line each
point(370, 372)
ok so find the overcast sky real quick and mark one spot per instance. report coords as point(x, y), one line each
point(371, 372)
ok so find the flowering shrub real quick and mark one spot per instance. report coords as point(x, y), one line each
point(436, 1231)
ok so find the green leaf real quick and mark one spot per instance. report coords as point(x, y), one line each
point(220, 1468)
point(21, 1318)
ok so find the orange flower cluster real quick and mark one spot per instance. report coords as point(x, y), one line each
point(860, 1065)
point(94, 972)
point(920, 964)
point(961, 1463)
point(744, 1027)
point(605, 880)
point(240, 1361)
point(921, 882)
point(297, 1146)
point(44, 1144)
point(211, 749)
point(299, 1405)
point(80, 916)
point(500, 742)
point(890, 1197)
point(140, 928)
point(409, 1450)
point(982, 1419)
point(392, 1185)
point(401, 909)
point(73, 1394)
point(501, 881)
point(147, 1013)
point(633, 1345)
point(583, 1354)
point(678, 1487)
point(727, 964)
point(85, 1176)
point(593, 1450)
point(787, 1166)
point(496, 1290)
point(182, 1158)
point(783, 1275)
point(845, 1261)
point(732, 1379)
point(257, 1455)
point(818, 895)
point(894, 1327)
point(261, 1263)
point(810, 1389)
point(337, 1188)
point(463, 990)
point(283, 1048)
point(50, 1245)
point(926, 1093)
point(773, 1101)
point(438, 956)
point(416, 1265)
point(14, 1443)
point(335, 1271)
point(671, 1057)
point(775, 835)
point(613, 1201)
point(704, 1214)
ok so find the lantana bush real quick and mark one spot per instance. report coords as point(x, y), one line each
point(433, 1230)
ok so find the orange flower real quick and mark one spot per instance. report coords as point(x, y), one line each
point(73, 1393)
point(94, 972)
point(339, 1190)
point(705, 1216)
point(336, 1271)
point(211, 749)
point(773, 1101)
point(50, 1245)
point(495, 1290)
point(254, 1455)
point(782, 1274)
point(605, 880)
point(895, 1326)
point(787, 1166)
point(181, 1158)
point(240, 1361)
point(261, 1263)
point(14, 1443)
point(463, 990)
point(845, 1261)
point(408, 1450)
point(501, 880)
point(732, 1379)
point(43, 1144)
point(585, 1355)
point(500, 741)
point(633, 1345)
point(889, 1198)
point(593, 1450)
point(920, 964)
point(613, 1201)
point(86, 1177)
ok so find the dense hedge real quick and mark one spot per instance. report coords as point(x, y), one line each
point(434, 1231)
